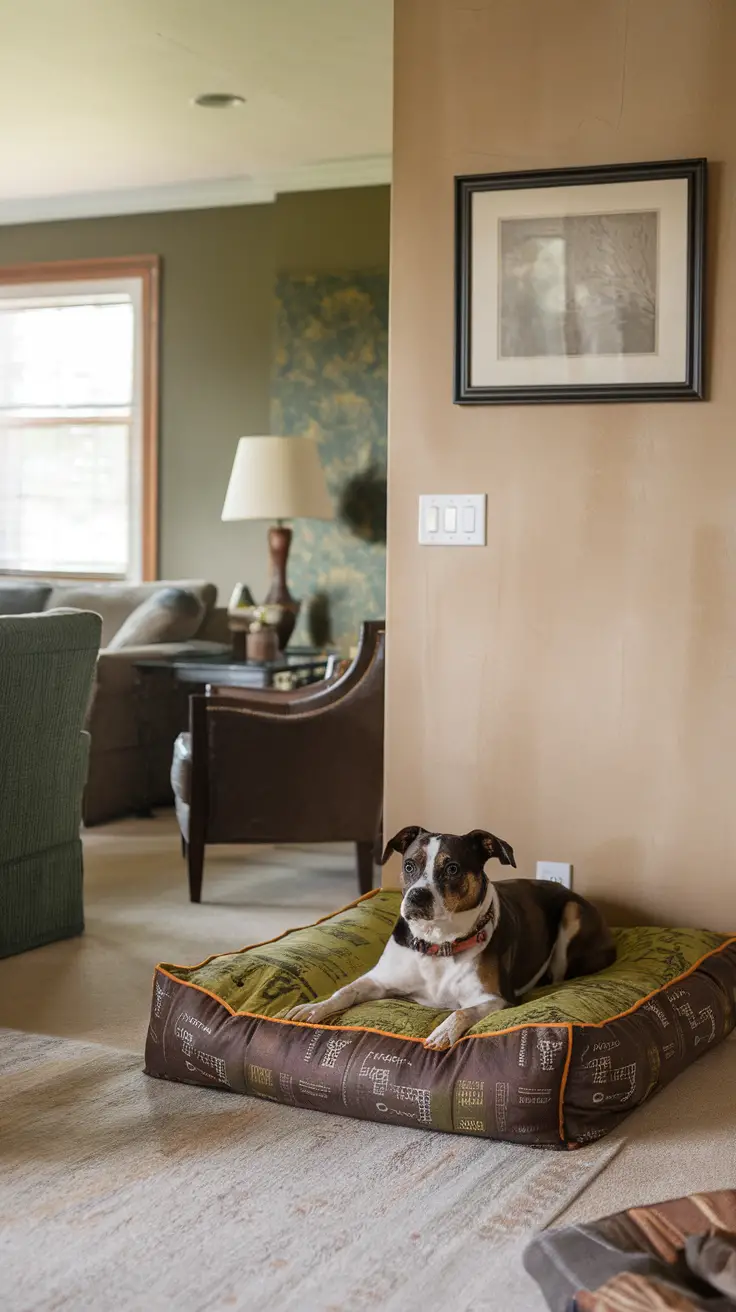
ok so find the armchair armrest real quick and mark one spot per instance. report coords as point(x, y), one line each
point(270, 699)
point(342, 678)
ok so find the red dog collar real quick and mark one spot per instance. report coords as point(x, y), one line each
point(449, 949)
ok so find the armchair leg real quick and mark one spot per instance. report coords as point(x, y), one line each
point(364, 853)
point(183, 846)
point(378, 847)
point(195, 866)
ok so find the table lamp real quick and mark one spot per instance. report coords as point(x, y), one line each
point(278, 478)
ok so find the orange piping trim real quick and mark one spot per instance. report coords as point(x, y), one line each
point(598, 1024)
point(563, 1084)
point(408, 1038)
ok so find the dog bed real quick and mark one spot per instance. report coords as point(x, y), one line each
point(559, 1071)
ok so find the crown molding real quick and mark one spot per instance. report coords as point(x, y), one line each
point(365, 171)
point(368, 171)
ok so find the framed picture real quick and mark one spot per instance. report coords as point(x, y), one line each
point(581, 284)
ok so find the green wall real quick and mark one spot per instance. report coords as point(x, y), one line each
point(218, 313)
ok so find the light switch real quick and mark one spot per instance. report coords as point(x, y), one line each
point(453, 519)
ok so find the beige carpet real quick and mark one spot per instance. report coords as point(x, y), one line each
point(682, 1142)
point(97, 988)
point(121, 1192)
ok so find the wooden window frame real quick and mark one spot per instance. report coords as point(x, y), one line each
point(148, 269)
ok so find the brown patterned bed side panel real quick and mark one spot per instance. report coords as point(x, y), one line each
point(617, 1066)
point(521, 1086)
point(195, 1039)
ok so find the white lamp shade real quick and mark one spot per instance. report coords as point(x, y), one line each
point(277, 478)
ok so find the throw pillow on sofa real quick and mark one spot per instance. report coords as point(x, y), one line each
point(170, 615)
point(23, 598)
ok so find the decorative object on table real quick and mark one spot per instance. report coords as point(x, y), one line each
point(297, 668)
point(243, 619)
point(241, 599)
point(262, 639)
point(331, 381)
point(318, 621)
point(261, 644)
point(581, 284)
point(239, 615)
point(278, 478)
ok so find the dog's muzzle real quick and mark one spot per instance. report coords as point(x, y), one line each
point(418, 904)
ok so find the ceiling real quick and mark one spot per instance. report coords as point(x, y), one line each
point(96, 112)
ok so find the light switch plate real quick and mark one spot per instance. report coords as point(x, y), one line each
point(559, 872)
point(469, 519)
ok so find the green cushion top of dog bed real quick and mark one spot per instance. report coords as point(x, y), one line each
point(311, 963)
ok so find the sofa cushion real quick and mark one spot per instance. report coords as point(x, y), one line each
point(558, 1071)
point(114, 602)
point(170, 615)
point(24, 598)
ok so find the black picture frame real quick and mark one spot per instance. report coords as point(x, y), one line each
point(692, 388)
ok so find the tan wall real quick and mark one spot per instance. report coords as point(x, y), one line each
point(219, 269)
point(572, 686)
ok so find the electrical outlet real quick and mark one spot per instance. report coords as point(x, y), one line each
point(558, 872)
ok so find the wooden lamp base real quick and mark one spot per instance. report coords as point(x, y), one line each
point(279, 544)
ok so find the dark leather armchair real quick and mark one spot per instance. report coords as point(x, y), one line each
point(301, 767)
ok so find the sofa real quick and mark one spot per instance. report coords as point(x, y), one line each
point(132, 721)
point(47, 668)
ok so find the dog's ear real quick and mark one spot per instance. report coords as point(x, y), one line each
point(490, 846)
point(401, 841)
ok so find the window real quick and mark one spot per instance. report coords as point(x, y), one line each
point(78, 395)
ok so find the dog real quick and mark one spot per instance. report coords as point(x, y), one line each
point(469, 945)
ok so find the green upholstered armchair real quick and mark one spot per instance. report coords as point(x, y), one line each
point(47, 666)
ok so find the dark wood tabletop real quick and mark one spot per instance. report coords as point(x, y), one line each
point(292, 669)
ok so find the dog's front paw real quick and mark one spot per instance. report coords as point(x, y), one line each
point(447, 1033)
point(310, 1011)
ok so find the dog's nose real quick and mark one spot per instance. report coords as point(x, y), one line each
point(419, 902)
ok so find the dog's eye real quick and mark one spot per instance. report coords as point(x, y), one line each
point(409, 868)
point(452, 869)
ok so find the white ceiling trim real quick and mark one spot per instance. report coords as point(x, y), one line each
point(370, 171)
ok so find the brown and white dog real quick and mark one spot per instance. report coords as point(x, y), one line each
point(464, 943)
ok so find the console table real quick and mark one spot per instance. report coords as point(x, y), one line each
point(292, 669)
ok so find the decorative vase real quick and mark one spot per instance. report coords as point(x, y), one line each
point(261, 644)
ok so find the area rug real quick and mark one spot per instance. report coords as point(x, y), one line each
point(119, 1192)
